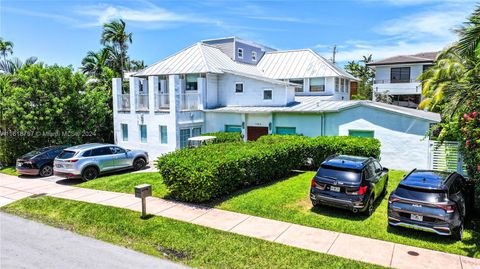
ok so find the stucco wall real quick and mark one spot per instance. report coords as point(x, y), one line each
point(247, 53)
point(305, 124)
point(402, 137)
point(252, 92)
point(382, 77)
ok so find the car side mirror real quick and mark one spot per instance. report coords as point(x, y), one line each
point(378, 170)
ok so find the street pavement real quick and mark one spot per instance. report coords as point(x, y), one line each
point(28, 244)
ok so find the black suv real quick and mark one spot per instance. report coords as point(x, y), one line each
point(349, 182)
point(39, 161)
point(432, 201)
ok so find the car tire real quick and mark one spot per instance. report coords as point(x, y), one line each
point(46, 170)
point(370, 207)
point(458, 233)
point(90, 173)
point(139, 163)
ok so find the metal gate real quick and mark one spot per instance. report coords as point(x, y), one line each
point(446, 156)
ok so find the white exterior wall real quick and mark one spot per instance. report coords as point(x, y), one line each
point(252, 92)
point(382, 76)
point(212, 91)
point(305, 124)
point(403, 144)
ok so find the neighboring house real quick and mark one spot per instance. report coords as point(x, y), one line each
point(204, 88)
point(397, 76)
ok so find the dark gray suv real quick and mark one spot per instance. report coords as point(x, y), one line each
point(432, 201)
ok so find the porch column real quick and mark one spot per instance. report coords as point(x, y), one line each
point(202, 90)
point(174, 93)
point(152, 93)
point(116, 91)
point(134, 89)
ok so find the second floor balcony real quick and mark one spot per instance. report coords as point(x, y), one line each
point(123, 102)
point(190, 101)
point(162, 101)
point(141, 102)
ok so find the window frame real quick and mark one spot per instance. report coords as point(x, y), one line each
point(361, 131)
point(122, 125)
point(227, 126)
point(271, 94)
point(320, 86)
point(400, 80)
point(196, 82)
point(298, 89)
point(240, 53)
point(142, 140)
point(239, 83)
point(163, 138)
point(286, 127)
point(254, 56)
point(337, 84)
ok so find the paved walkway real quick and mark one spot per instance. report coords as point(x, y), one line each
point(28, 244)
point(334, 243)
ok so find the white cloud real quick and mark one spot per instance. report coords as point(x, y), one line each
point(150, 13)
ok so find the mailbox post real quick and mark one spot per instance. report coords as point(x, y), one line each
point(143, 191)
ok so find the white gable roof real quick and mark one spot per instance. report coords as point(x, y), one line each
point(304, 63)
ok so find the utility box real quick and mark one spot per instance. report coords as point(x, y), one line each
point(143, 191)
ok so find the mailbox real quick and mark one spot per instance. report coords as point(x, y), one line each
point(143, 191)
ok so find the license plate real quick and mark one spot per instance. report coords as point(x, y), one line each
point(416, 217)
point(335, 189)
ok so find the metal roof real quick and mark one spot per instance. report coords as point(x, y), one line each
point(204, 58)
point(424, 57)
point(303, 63)
point(316, 104)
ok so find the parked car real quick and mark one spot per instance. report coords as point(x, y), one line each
point(39, 161)
point(349, 182)
point(88, 161)
point(431, 201)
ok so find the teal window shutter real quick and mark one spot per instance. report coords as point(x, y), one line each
point(286, 130)
point(163, 134)
point(143, 133)
point(361, 133)
point(124, 132)
point(233, 128)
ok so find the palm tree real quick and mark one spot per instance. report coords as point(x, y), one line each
point(6, 47)
point(12, 66)
point(95, 62)
point(469, 42)
point(114, 33)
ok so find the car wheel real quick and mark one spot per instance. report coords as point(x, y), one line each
point(370, 207)
point(90, 173)
point(458, 233)
point(46, 170)
point(139, 163)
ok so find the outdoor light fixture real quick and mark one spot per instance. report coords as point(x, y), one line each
point(269, 126)
point(243, 125)
point(143, 191)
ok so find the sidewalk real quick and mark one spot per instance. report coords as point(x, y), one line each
point(334, 243)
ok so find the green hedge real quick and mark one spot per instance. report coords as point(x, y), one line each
point(317, 149)
point(223, 137)
point(215, 170)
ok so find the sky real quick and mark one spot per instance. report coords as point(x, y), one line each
point(63, 31)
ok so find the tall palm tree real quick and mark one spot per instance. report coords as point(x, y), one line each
point(11, 66)
point(6, 47)
point(114, 33)
point(95, 62)
point(469, 42)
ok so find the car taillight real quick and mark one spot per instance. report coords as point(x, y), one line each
point(319, 186)
point(362, 190)
point(72, 161)
point(447, 208)
point(313, 182)
point(392, 200)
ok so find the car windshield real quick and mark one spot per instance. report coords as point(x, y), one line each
point(66, 154)
point(430, 196)
point(33, 153)
point(339, 173)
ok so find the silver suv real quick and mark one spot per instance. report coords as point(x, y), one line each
point(87, 161)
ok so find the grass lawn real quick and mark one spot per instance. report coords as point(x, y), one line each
point(126, 182)
point(190, 244)
point(9, 171)
point(288, 200)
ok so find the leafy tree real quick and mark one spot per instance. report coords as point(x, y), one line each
point(6, 47)
point(114, 34)
point(365, 74)
point(45, 105)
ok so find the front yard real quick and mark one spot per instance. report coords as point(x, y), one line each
point(10, 170)
point(288, 200)
point(182, 242)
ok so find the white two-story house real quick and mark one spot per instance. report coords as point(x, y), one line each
point(397, 77)
point(234, 85)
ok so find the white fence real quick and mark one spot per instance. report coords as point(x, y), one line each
point(446, 157)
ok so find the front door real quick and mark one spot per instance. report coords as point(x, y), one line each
point(254, 132)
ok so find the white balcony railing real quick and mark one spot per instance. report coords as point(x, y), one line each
point(162, 101)
point(123, 102)
point(141, 102)
point(190, 101)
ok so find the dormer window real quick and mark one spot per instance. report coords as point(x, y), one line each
point(254, 56)
point(240, 53)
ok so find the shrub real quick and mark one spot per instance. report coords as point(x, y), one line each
point(211, 171)
point(223, 137)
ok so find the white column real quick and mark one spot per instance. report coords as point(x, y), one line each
point(244, 127)
point(116, 91)
point(174, 89)
point(134, 89)
point(152, 92)
point(202, 91)
point(306, 85)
